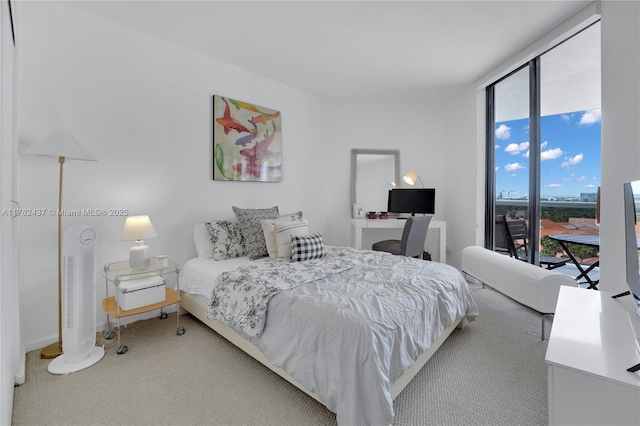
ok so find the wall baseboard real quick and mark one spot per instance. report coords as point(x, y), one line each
point(21, 374)
point(100, 326)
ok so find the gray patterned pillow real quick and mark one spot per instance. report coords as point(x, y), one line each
point(251, 229)
point(226, 239)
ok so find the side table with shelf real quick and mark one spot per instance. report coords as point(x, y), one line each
point(116, 273)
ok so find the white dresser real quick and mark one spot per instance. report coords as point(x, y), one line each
point(592, 344)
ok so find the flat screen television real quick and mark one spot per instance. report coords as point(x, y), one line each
point(631, 210)
point(412, 200)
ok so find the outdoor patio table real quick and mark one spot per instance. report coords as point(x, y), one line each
point(583, 240)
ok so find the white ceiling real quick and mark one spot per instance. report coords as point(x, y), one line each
point(349, 50)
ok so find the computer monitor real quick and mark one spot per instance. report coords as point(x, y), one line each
point(631, 202)
point(412, 200)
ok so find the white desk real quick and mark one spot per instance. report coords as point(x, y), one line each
point(435, 225)
point(592, 343)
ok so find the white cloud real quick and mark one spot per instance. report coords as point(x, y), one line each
point(544, 144)
point(555, 185)
point(590, 186)
point(516, 148)
point(582, 178)
point(572, 161)
point(566, 117)
point(503, 132)
point(591, 117)
point(497, 146)
point(512, 167)
point(551, 154)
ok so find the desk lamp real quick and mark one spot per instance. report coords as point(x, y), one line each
point(411, 178)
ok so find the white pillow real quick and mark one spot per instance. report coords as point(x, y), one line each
point(269, 229)
point(202, 241)
point(284, 232)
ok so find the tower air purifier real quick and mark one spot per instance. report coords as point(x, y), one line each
point(78, 302)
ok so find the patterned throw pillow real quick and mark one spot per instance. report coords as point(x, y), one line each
point(284, 231)
point(226, 239)
point(249, 220)
point(269, 229)
point(307, 248)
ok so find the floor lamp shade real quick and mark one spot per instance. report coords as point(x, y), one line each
point(60, 144)
point(136, 228)
point(63, 146)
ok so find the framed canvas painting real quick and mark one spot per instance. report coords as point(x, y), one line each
point(247, 142)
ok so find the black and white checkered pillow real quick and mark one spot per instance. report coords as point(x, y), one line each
point(307, 247)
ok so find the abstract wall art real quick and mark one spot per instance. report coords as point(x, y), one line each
point(247, 142)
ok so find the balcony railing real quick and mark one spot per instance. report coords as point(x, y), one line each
point(571, 204)
point(559, 214)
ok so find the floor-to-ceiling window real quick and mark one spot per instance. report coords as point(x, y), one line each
point(543, 145)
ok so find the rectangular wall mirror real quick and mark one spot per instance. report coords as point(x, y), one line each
point(373, 173)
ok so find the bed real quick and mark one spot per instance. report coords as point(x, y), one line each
point(350, 328)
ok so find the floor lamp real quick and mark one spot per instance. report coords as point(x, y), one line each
point(63, 146)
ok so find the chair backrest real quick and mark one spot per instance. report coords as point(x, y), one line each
point(414, 235)
point(519, 235)
point(503, 242)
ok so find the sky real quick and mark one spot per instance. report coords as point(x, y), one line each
point(570, 152)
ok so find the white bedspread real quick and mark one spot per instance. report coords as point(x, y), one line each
point(349, 336)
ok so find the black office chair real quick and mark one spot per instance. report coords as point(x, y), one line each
point(511, 237)
point(503, 243)
point(413, 237)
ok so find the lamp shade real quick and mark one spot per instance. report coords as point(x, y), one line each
point(411, 178)
point(138, 228)
point(60, 144)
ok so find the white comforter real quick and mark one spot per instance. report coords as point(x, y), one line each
point(349, 336)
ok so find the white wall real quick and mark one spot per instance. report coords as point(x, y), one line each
point(143, 107)
point(620, 131)
point(11, 369)
point(413, 128)
point(465, 160)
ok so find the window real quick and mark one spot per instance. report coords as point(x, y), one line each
point(543, 144)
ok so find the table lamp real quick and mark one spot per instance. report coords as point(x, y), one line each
point(63, 146)
point(136, 228)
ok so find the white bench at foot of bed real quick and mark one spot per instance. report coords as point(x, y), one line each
point(198, 310)
point(523, 282)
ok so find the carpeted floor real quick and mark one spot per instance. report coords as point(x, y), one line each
point(491, 373)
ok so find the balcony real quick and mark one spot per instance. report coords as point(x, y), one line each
point(560, 217)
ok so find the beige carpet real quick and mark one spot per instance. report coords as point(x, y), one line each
point(490, 373)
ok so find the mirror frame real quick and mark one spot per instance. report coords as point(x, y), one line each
point(354, 168)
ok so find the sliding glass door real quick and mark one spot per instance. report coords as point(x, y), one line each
point(509, 148)
point(543, 145)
